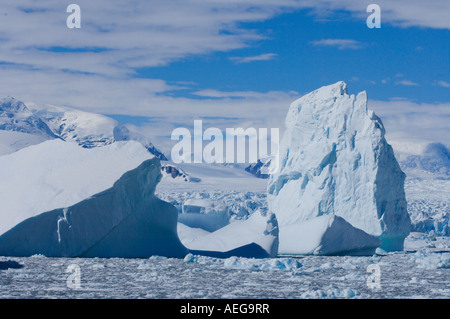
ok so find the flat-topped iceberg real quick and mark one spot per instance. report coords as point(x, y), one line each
point(126, 220)
point(56, 174)
point(59, 199)
point(334, 160)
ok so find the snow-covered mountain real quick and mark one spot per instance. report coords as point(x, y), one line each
point(17, 117)
point(434, 160)
point(87, 129)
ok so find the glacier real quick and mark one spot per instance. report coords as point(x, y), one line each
point(334, 159)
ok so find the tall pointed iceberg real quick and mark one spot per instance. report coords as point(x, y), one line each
point(334, 160)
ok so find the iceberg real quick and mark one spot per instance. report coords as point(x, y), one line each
point(255, 237)
point(62, 200)
point(56, 174)
point(126, 220)
point(326, 235)
point(335, 160)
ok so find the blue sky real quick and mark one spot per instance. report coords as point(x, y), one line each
point(389, 62)
point(157, 65)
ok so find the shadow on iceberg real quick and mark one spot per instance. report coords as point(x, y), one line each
point(127, 220)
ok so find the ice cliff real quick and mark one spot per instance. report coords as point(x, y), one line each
point(334, 160)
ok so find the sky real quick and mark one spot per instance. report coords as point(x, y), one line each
point(156, 65)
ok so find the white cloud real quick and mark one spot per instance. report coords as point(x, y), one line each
point(412, 13)
point(248, 59)
point(341, 44)
point(130, 35)
point(444, 84)
point(406, 83)
point(218, 109)
point(273, 95)
point(407, 120)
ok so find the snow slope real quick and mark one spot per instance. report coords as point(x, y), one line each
point(126, 220)
point(57, 174)
point(12, 141)
point(335, 160)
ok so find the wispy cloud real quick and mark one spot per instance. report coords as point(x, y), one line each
point(407, 83)
point(248, 59)
point(416, 13)
point(443, 84)
point(341, 44)
point(127, 36)
point(244, 94)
